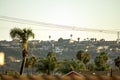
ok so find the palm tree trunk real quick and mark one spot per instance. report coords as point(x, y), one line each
point(24, 54)
point(28, 71)
point(49, 72)
point(22, 66)
point(111, 72)
point(24, 45)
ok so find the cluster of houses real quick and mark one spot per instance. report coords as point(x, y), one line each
point(64, 48)
point(64, 45)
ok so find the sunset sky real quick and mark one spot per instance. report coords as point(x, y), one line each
point(90, 14)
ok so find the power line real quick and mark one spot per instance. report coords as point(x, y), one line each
point(50, 25)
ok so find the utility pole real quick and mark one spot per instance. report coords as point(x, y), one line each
point(118, 37)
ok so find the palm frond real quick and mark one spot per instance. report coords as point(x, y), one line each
point(16, 33)
point(22, 34)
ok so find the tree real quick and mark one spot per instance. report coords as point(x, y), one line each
point(80, 55)
point(92, 39)
point(71, 65)
point(27, 64)
point(87, 58)
point(49, 37)
point(101, 58)
point(30, 62)
point(83, 56)
point(104, 55)
point(23, 35)
point(91, 66)
point(60, 40)
point(95, 39)
point(64, 66)
point(78, 39)
point(102, 40)
point(117, 62)
point(48, 64)
point(52, 62)
point(71, 36)
point(100, 62)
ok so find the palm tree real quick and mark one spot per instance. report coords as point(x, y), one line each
point(30, 62)
point(87, 58)
point(71, 36)
point(27, 64)
point(49, 37)
point(78, 39)
point(83, 56)
point(52, 62)
point(91, 66)
point(48, 64)
point(104, 55)
point(101, 62)
point(71, 65)
point(117, 62)
point(23, 35)
point(80, 55)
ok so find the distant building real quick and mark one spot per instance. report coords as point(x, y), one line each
point(73, 73)
point(34, 41)
point(58, 50)
point(68, 41)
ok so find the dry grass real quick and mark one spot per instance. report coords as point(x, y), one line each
point(46, 77)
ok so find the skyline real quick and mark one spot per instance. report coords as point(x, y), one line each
point(88, 14)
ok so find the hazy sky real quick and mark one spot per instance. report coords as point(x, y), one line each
point(92, 14)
